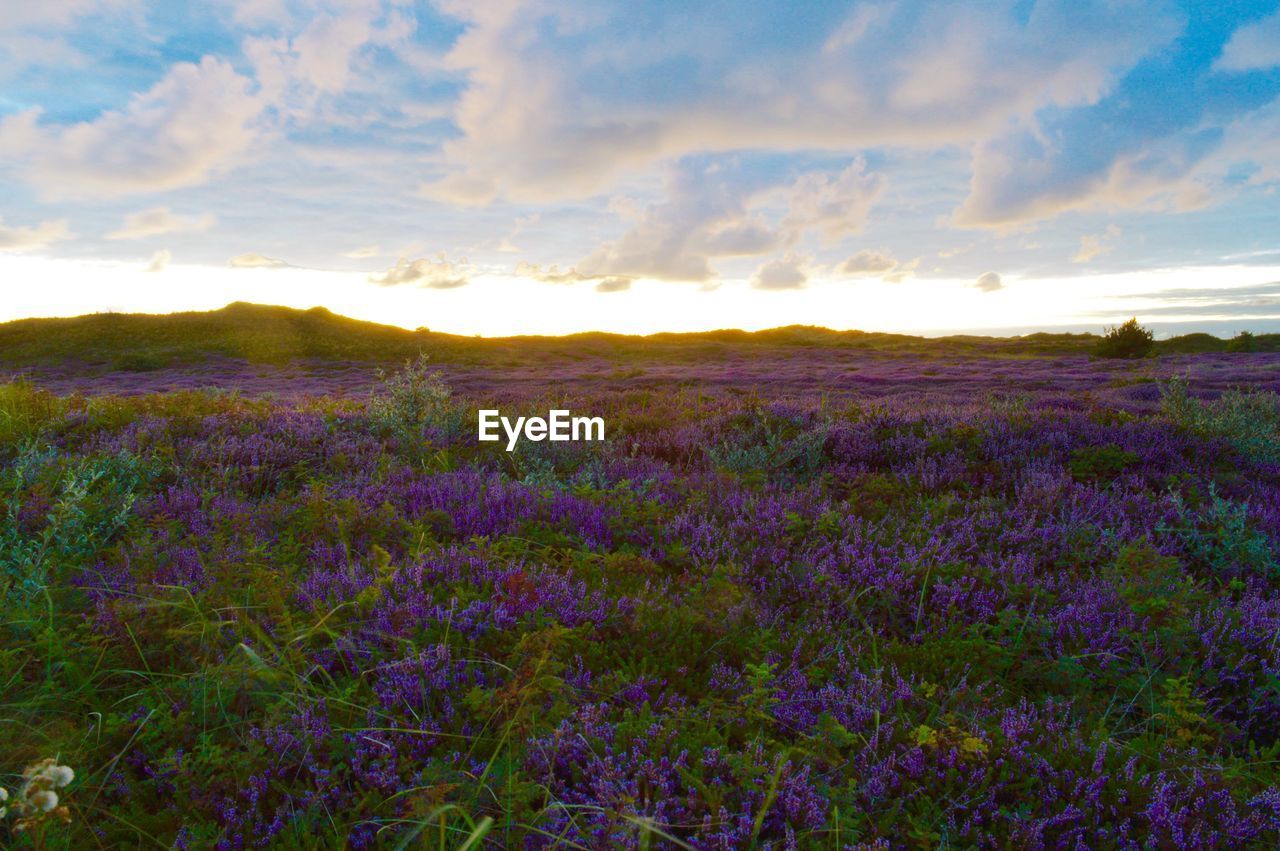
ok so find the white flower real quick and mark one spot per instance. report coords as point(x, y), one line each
point(4, 794)
point(43, 800)
point(61, 775)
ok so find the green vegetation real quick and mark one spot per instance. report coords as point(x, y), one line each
point(264, 334)
point(1243, 342)
point(1129, 340)
point(1248, 422)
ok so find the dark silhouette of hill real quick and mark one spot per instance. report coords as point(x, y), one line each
point(270, 334)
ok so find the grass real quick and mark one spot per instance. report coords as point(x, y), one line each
point(266, 334)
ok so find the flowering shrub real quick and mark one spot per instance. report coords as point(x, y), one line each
point(875, 617)
point(36, 804)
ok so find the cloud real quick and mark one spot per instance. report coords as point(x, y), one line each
point(553, 275)
point(1027, 176)
point(613, 285)
point(703, 218)
point(253, 12)
point(254, 260)
point(989, 282)
point(506, 245)
point(37, 35)
point(1270, 290)
point(1096, 244)
point(868, 263)
point(878, 264)
point(322, 59)
point(1253, 47)
point(160, 220)
point(160, 260)
point(784, 273)
point(196, 122)
point(52, 13)
point(837, 205)
point(438, 274)
point(33, 238)
point(363, 252)
point(715, 208)
point(548, 113)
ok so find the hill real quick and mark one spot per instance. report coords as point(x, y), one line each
point(269, 334)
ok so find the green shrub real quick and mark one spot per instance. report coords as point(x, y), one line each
point(1249, 422)
point(1243, 342)
point(763, 446)
point(25, 412)
point(408, 401)
point(1217, 537)
point(91, 500)
point(1100, 463)
point(1129, 340)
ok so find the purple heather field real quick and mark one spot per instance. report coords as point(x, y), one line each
point(798, 598)
point(789, 373)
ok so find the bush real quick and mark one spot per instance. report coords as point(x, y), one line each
point(1130, 340)
point(1218, 537)
point(409, 401)
point(25, 411)
point(1249, 422)
point(92, 499)
point(1100, 463)
point(1243, 342)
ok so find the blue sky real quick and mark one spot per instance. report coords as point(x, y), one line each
point(544, 165)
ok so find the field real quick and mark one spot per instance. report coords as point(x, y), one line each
point(816, 590)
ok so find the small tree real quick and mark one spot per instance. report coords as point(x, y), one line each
point(1130, 340)
point(408, 401)
point(1243, 342)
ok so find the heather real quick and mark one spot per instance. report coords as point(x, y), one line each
point(804, 597)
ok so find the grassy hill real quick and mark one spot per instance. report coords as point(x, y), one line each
point(267, 334)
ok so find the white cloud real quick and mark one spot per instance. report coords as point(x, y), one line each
point(540, 121)
point(1025, 177)
point(254, 260)
point(255, 12)
point(53, 14)
point(32, 238)
point(837, 205)
point(989, 282)
point(1096, 244)
point(784, 273)
point(33, 35)
point(363, 252)
point(553, 275)
point(160, 260)
point(197, 121)
point(878, 264)
point(506, 245)
point(326, 58)
point(160, 220)
point(869, 263)
point(438, 274)
point(704, 217)
point(1253, 47)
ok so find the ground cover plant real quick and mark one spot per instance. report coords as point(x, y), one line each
point(815, 599)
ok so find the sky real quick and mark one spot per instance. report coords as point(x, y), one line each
point(545, 166)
